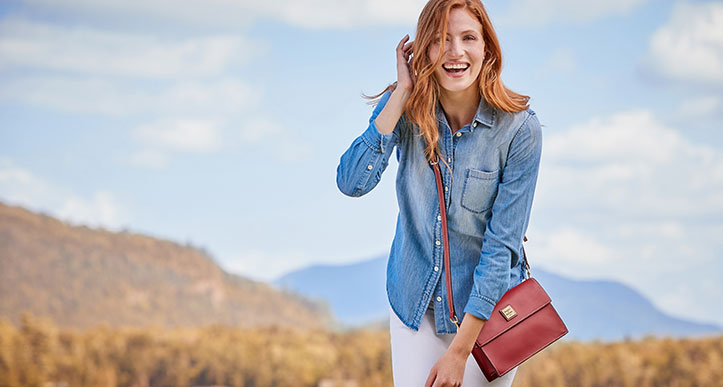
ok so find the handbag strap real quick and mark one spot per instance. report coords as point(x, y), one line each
point(445, 240)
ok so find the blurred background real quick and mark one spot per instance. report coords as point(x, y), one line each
point(171, 165)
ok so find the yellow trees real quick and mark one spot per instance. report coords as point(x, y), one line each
point(36, 353)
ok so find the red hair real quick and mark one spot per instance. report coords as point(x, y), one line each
point(420, 107)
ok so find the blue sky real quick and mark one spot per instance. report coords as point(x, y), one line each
point(221, 124)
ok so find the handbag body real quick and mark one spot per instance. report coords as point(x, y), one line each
point(522, 323)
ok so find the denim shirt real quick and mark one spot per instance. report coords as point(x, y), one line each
point(488, 193)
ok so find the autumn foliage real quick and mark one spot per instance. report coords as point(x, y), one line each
point(36, 353)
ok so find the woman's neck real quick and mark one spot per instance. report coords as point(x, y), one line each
point(460, 107)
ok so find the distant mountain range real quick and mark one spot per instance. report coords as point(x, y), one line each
point(81, 277)
point(604, 310)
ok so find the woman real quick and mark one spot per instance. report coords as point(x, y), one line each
point(449, 102)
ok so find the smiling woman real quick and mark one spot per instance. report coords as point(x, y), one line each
point(449, 104)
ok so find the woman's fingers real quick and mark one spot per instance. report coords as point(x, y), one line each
point(405, 46)
point(408, 48)
point(401, 44)
point(404, 70)
point(430, 378)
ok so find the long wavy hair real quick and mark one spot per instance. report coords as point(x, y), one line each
point(420, 107)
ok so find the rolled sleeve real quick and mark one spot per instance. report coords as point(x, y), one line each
point(506, 227)
point(375, 139)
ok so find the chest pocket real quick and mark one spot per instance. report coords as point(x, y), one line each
point(480, 190)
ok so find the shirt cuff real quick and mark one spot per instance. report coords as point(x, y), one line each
point(480, 307)
point(374, 139)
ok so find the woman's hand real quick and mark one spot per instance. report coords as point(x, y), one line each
point(404, 68)
point(448, 371)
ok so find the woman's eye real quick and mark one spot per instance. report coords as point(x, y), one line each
point(470, 37)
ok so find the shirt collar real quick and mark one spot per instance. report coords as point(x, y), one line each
point(485, 115)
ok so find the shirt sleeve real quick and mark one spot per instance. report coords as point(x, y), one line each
point(506, 227)
point(361, 166)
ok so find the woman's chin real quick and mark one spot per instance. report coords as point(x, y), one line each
point(456, 87)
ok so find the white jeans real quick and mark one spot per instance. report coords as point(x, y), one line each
point(414, 354)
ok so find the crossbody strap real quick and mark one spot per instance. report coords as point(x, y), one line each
point(445, 240)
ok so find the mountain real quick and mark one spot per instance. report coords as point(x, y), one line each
point(356, 292)
point(604, 310)
point(81, 277)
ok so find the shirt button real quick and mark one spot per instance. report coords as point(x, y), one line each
point(474, 124)
point(369, 167)
point(437, 243)
point(439, 217)
point(439, 299)
point(449, 159)
point(459, 134)
point(446, 188)
point(436, 268)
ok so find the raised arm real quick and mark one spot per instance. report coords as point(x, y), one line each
point(362, 165)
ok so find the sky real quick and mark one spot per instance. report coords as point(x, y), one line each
point(220, 124)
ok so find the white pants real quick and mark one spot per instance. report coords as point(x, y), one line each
point(414, 354)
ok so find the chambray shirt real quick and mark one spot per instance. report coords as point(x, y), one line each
point(495, 161)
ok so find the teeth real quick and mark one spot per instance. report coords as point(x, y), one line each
point(457, 66)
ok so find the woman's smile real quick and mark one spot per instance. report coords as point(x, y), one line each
point(455, 70)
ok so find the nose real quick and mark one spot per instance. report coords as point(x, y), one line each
point(454, 49)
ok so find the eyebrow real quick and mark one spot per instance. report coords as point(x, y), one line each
point(466, 32)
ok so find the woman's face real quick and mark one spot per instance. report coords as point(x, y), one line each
point(463, 52)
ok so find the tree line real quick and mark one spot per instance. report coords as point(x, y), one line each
point(37, 353)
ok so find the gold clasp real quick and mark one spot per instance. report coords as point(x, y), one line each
point(508, 312)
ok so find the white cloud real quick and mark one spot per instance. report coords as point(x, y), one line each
point(568, 246)
point(628, 197)
point(185, 135)
point(283, 142)
point(315, 14)
point(561, 62)
point(149, 159)
point(257, 129)
point(28, 44)
point(630, 164)
point(224, 14)
point(690, 46)
point(540, 12)
point(99, 209)
point(265, 265)
point(118, 98)
point(700, 108)
point(20, 186)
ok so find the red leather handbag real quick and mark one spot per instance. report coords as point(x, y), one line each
point(522, 323)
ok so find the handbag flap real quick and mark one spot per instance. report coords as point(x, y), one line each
point(516, 305)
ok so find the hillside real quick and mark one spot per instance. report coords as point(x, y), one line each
point(81, 277)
